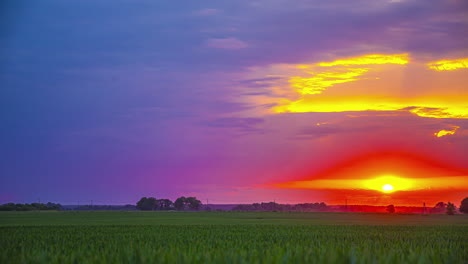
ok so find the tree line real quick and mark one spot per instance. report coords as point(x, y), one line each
point(440, 208)
point(180, 204)
point(273, 206)
point(30, 207)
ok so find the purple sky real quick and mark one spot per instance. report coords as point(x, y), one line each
point(113, 100)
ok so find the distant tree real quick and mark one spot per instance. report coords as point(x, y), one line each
point(440, 207)
point(184, 203)
point(30, 207)
point(164, 204)
point(193, 203)
point(464, 206)
point(451, 208)
point(180, 203)
point(390, 208)
point(146, 204)
point(54, 206)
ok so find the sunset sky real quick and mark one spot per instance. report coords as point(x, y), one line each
point(234, 101)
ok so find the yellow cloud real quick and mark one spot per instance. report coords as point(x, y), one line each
point(444, 132)
point(435, 107)
point(370, 59)
point(315, 82)
point(322, 80)
point(449, 65)
point(338, 86)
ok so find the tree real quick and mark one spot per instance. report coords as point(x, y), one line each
point(464, 206)
point(193, 203)
point(450, 208)
point(30, 207)
point(440, 207)
point(391, 208)
point(146, 204)
point(180, 203)
point(164, 204)
point(183, 203)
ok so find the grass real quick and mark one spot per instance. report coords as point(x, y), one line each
point(231, 237)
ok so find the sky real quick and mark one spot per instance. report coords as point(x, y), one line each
point(234, 101)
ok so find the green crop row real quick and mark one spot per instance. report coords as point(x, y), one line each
point(234, 244)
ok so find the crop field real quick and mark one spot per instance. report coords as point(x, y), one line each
point(231, 237)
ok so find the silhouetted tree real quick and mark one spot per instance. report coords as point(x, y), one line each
point(180, 203)
point(164, 204)
point(183, 203)
point(390, 208)
point(193, 203)
point(30, 207)
point(440, 207)
point(272, 206)
point(146, 204)
point(464, 206)
point(451, 208)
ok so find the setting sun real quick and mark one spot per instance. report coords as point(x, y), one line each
point(388, 183)
point(387, 188)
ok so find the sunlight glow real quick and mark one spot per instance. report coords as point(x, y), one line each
point(388, 184)
point(377, 184)
point(387, 188)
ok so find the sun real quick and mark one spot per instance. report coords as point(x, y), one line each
point(388, 183)
point(387, 188)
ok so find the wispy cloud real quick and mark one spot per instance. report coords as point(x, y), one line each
point(449, 65)
point(207, 12)
point(245, 125)
point(226, 43)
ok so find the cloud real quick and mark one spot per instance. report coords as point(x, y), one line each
point(226, 43)
point(324, 129)
point(207, 12)
point(370, 59)
point(361, 83)
point(444, 132)
point(449, 65)
point(248, 124)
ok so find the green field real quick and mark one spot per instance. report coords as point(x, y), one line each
point(231, 237)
